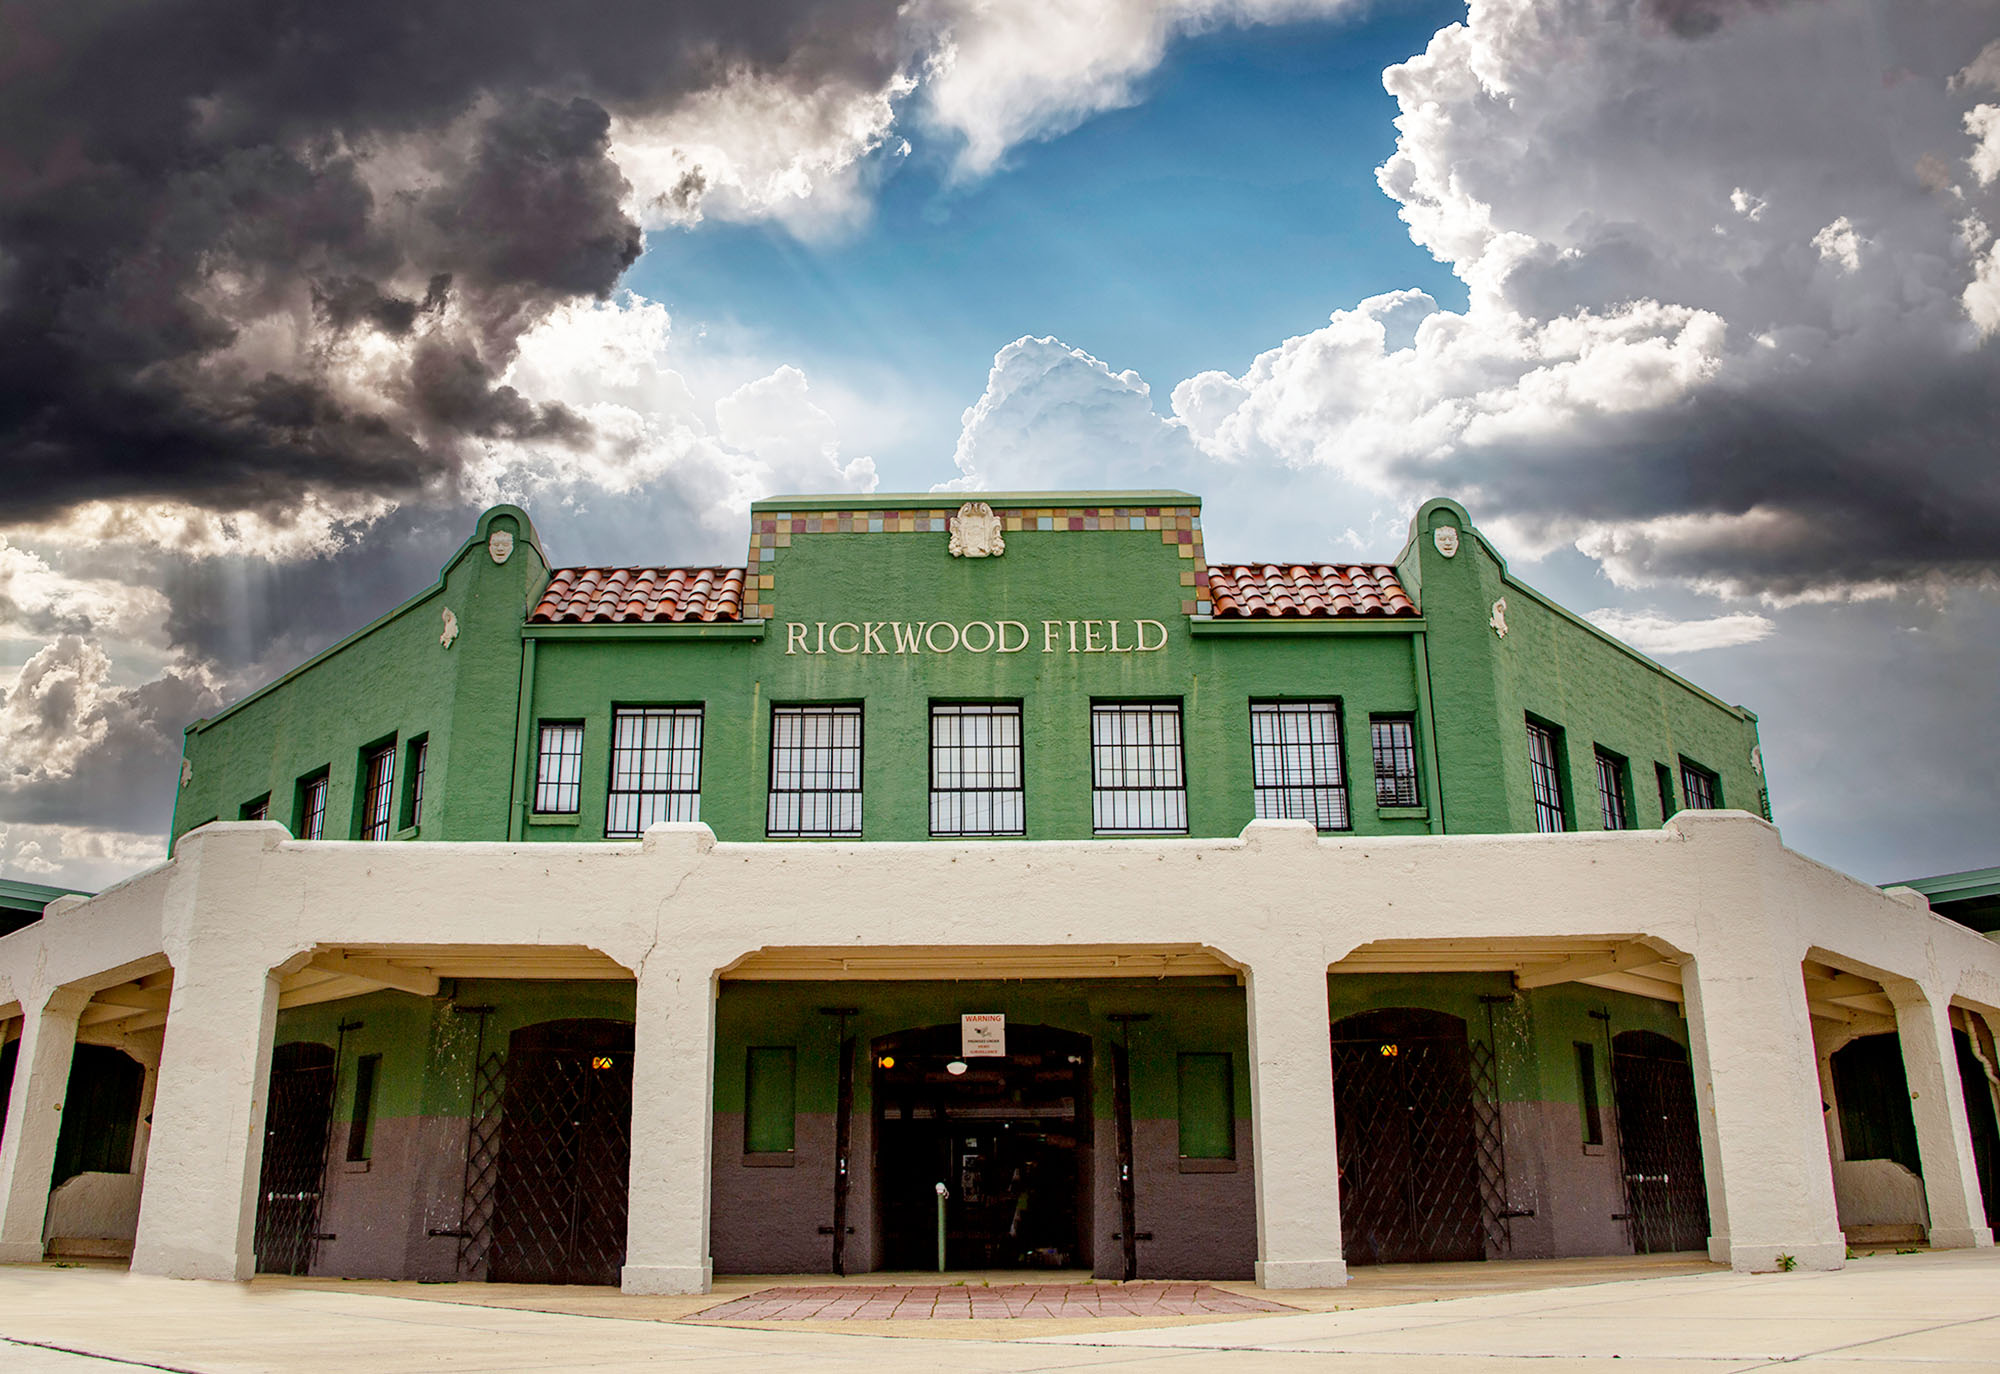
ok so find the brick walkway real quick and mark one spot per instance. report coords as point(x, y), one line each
point(880, 1303)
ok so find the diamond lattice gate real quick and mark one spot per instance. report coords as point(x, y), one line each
point(292, 1177)
point(1666, 1194)
point(1406, 1133)
point(559, 1196)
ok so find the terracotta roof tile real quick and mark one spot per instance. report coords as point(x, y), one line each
point(1307, 590)
point(580, 596)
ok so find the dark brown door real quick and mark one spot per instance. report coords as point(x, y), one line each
point(293, 1174)
point(1666, 1194)
point(1408, 1155)
point(560, 1189)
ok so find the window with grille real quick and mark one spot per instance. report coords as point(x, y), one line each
point(655, 767)
point(413, 785)
point(1611, 791)
point(1138, 784)
point(1547, 778)
point(1699, 787)
point(1295, 764)
point(312, 808)
point(559, 767)
point(1394, 739)
point(378, 790)
point(976, 784)
point(257, 810)
point(1665, 778)
point(815, 772)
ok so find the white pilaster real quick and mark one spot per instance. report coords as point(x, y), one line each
point(1291, 1121)
point(673, 1091)
point(1770, 1179)
point(199, 1209)
point(1937, 1102)
point(34, 1118)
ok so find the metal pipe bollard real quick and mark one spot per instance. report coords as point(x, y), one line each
point(942, 1193)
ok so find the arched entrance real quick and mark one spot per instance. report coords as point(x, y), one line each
point(1406, 1137)
point(292, 1178)
point(1659, 1138)
point(100, 1118)
point(560, 1185)
point(1008, 1136)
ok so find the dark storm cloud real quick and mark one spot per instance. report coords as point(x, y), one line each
point(1699, 18)
point(173, 173)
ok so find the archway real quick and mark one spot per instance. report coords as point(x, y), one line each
point(1007, 1135)
point(292, 1178)
point(560, 1189)
point(1406, 1137)
point(1659, 1136)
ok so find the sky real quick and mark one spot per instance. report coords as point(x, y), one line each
point(1695, 304)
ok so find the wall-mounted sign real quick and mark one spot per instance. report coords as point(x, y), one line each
point(975, 637)
point(983, 1034)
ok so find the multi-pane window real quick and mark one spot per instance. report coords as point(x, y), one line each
point(1698, 786)
point(1138, 784)
point(1546, 776)
point(1295, 765)
point(1611, 791)
point(378, 790)
point(257, 810)
point(413, 802)
point(1395, 744)
point(815, 771)
point(655, 767)
point(1665, 778)
point(976, 770)
point(559, 767)
point(312, 808)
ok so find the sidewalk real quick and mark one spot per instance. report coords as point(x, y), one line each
point(1884, 1314)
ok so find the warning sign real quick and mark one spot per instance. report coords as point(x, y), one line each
point(983, 1034)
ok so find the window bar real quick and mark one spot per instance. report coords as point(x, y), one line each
point(1548, 782)
point(1394, 743)
point(378, 790)
point(419, 757)
point(1295, 762)
point(1698, 787)
point(976, 775)
point(655, 767)
point(314, 826)
point(559, 769)
point(815, 772)
point(1138, 785)
point(1611, 793)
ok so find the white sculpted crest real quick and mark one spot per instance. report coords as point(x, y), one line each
point(500, 543)
point(975, 532)
point(1498, 620)
point(450, 628)
point(1446, 539)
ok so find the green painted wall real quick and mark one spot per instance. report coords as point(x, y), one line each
point(479, 701)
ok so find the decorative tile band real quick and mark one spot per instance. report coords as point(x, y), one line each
point(774, 530)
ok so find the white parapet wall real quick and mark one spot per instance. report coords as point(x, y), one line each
point(241, 907)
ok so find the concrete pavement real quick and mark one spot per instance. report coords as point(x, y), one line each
point(1880, 1315)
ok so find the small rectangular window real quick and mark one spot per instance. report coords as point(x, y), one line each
point(1586, 1093)
point(1611, 791)
point(1544, 767)
point(361, 1120)
point(1395, 745)
point(378, 789)
point(1208, 1107)
point(559, 767)
point(815, 772)
point(976, 786)
point(310, 811)
point(256, 810)
point(1296, 773)
point(1137, 779)
point(1700, 788)
point(1665, 778)
point(417, 758)
point(655, 767)
point(770, 1087)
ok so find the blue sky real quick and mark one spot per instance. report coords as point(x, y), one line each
point(1233, 206)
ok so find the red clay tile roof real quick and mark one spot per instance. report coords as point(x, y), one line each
point(1306, 590)
point(580, 596)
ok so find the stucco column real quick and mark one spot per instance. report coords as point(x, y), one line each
point(1770, 1179)
point(1937, 1102)
point(673, 1091)
point(198, 1212)
point(34, 1119)
point(1291, 1122)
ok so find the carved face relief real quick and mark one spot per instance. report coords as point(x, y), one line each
point(1446, 539)
point(500, 544)
point(975, 532)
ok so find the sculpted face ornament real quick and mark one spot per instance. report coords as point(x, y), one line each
point(500, 544)
point(1498, 620)
point(975, 532)
point(1446, 539)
